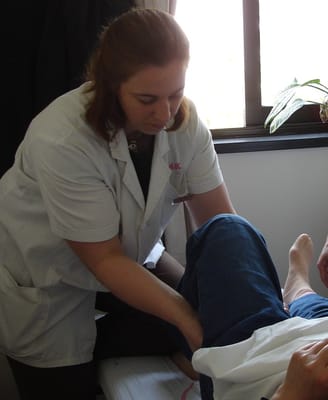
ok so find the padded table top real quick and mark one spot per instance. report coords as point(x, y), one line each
point(145, 378)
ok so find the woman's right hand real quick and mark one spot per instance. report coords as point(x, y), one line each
point(191, 328)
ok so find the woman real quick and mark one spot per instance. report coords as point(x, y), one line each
point(94, 184)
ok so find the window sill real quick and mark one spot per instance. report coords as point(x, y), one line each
point(272, 142)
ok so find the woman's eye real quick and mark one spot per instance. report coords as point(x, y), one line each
point(146, 100)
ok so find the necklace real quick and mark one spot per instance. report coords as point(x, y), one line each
point(133, 138)
point(139, 142)
point(133, 146)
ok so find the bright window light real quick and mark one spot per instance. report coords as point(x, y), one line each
point(215, 78)
point(293, 44)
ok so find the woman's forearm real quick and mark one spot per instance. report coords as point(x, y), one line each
point(135, 285)
point(139, 288)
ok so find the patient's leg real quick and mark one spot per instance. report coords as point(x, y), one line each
point(231, 280)
point(300, 257)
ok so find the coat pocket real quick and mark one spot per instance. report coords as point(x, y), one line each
point(23, 315)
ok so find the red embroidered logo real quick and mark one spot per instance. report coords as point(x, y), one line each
point(175, 166)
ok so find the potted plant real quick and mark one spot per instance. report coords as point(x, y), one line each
point(294, 97)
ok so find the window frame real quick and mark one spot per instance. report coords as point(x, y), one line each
point(303, 129)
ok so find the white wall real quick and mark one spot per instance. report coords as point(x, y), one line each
point(284, 193)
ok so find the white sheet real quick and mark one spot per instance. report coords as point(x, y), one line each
point(145, 378)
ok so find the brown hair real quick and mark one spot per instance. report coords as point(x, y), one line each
point(138, 38)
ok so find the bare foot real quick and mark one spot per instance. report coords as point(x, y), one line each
point(300, 257)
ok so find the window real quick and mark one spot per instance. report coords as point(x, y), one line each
point(243, 52)
point(215, 78)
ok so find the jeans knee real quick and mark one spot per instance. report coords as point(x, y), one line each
point(227, 226)
point(227, 219)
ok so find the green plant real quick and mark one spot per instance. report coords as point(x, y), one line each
point(292, 99)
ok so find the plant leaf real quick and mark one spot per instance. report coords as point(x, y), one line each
point(311, 82)
point(282, 117)
point(281, 102)
point(283, 98)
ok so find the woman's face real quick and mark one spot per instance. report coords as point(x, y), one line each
point(151, 97)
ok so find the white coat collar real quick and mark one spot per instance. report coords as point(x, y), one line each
point(120, 151)
point(160, 170)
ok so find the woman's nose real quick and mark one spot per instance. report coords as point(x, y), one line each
point(163, 111)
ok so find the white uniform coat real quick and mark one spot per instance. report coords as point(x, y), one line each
point(68, 183)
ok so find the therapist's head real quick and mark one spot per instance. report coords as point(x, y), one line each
point(137, 74)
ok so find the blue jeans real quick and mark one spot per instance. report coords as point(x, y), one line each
point(231, 281)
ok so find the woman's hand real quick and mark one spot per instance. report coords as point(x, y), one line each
point(307, 374)
point(191, 329)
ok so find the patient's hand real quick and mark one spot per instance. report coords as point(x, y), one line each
point(307, 374)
